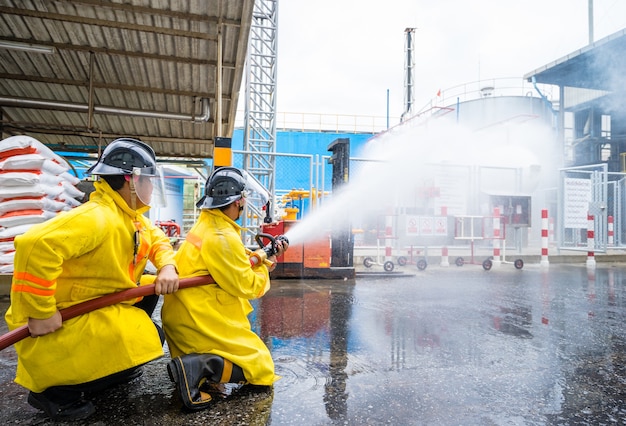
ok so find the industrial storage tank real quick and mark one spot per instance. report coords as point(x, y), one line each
point(490, 109)
point(467, 157)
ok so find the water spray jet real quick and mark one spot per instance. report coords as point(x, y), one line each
point(469, 170)
point(320, 245)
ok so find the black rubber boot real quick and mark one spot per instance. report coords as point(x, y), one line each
point(63, 411)
point(190, 371)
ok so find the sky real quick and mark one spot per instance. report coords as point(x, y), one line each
point(348, 56)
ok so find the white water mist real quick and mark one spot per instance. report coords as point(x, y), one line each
point(403, 159)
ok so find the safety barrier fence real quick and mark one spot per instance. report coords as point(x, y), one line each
point(591, 191)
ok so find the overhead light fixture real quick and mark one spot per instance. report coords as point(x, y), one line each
point(27, 47)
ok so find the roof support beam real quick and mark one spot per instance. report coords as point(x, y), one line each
point(106, 51)
point(160, 12)
point(107, 23)
point(100, 85)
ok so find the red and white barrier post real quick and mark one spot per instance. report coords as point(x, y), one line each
point(388, 237)
point(551, 231)
point(496, 236)
point(444, 257)
point(591, 244)
point(544, 238)
point(611, 232)
point(444, 250)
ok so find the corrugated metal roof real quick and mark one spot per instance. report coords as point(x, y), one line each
point(142, 68)
point(598, 66)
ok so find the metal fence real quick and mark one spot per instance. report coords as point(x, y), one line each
point(303, 181)
point(591, 199)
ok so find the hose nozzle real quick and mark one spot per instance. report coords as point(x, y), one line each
point(270, 248)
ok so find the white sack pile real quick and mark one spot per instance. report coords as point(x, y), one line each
point(34, 186)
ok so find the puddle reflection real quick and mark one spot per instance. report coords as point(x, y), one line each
point(447, 346)
point(444, 347)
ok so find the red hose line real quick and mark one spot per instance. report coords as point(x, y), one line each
point(22, 332)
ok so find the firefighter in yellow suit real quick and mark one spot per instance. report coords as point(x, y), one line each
point(97, 248)
point(207, 327)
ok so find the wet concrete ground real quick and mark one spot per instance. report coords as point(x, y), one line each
point(445, 346)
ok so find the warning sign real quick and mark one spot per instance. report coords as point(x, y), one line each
point(577, 195)
point(411, 225)
point(441, 226)
point(426, 225)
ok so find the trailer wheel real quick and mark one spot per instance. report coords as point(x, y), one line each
point(368, 262)
point(459, 261)
point(421, 264)
point(402, 261)
point(388, 266)
point(519, 264)
point(487, 264)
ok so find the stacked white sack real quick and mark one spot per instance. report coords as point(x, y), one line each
point(34, 186)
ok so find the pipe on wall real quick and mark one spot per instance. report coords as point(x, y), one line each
point(69, 106)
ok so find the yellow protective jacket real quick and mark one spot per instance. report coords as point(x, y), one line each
point(76, 256)
point(214, 318)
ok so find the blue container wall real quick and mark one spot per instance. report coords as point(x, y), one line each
point(298, 142)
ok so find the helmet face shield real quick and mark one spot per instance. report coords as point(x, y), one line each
point(254, 193)
point(227, 185)
point(148, 185)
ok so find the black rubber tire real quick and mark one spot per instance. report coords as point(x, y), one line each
point(519, 264)
point(388, 266)
point(487, 264)
point(368, 262)
point(402, 261)
point(422, 264)
point(459, 261)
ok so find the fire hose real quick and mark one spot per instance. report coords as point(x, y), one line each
point(22, 332)
point(259, 255)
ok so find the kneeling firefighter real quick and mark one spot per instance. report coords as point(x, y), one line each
point(98, 248)
point(207, 327)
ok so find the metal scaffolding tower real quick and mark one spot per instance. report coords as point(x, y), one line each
point(260, 107)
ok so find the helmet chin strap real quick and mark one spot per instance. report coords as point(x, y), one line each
point(240, 210)
point(133, 194)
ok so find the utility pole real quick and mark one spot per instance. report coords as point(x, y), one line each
point(590, 13)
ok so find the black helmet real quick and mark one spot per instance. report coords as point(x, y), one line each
point(224, 186)
point(123, 155)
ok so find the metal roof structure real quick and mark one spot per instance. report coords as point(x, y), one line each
point(77, 74)
point(592, 67)
point(592, 91)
